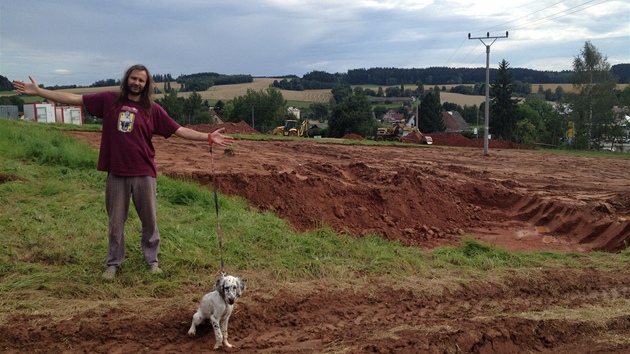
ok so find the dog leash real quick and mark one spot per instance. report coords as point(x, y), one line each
point(216, 207)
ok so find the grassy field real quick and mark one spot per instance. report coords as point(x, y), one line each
point(301, 99)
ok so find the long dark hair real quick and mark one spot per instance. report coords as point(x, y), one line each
point(146, 96)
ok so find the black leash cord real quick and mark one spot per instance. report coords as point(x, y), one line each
point(216, 207)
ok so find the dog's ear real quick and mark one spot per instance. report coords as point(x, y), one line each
point(241, 283)
point(218, 286)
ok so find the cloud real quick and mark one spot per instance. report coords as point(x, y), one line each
point(98, 40)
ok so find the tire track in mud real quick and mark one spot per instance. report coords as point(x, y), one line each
point(521, 311)
point(519, 315)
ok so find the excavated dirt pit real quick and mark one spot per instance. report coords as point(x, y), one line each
point(422, 196)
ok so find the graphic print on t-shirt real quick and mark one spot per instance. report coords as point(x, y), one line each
point(126, 119)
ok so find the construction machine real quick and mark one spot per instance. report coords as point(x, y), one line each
point(290, 128)
point(398, 131)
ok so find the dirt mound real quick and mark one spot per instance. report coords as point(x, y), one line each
point(353, 137)
point(364, 200)
point(230, 128)
point(451, 139)
point(456, 139)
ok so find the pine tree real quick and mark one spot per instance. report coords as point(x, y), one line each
point(502, 104)
point(430, 112)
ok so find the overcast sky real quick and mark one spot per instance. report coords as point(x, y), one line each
point(64, 42)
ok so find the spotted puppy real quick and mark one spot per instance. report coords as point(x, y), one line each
point(217, 307)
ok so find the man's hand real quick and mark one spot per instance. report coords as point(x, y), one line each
point(26, 88)
point(220, 139)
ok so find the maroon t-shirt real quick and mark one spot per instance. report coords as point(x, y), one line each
point(126, 148)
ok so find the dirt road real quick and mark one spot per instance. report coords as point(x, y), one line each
point(424, 197)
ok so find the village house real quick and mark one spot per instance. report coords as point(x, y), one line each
point(454, 122)
point(391, 116)
point(394, 100)
point(295, 111)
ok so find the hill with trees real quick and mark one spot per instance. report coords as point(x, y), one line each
point(433, 76)
point(5, 84)
point(203, 81)
point(621, 72)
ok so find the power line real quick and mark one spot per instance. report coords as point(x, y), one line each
point(471, 50)
point(555, 16)
point(449, 58)
point(522, 17)
point(544, 19)
point(560, 14)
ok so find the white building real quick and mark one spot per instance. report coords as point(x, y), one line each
point(43, 112)
point(295, 111)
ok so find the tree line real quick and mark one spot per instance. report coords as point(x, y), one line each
point(433, 75)
point(466, 81)
point(5, 84)
point(203, 81)
point(188, 83)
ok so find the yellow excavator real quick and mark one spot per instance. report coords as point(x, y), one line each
point(398, 131)
point(290, 128)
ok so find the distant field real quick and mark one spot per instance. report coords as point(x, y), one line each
point(229, 92)
point(565, 87)
point(462, 100)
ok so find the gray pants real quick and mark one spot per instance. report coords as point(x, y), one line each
point(118, 191)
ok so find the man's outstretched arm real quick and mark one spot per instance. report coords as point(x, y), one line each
point(32, 89)
point(216, 137)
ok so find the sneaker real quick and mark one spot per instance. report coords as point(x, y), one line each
point(110, 273)
point(155, 269)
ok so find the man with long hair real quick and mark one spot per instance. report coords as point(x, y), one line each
point(130, 119)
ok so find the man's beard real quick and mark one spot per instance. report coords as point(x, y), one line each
point(134, 90)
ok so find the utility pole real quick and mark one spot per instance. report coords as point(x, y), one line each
point(487, 106)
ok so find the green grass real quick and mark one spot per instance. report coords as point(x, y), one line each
point(587, 153)
point(84, 127)
point(299, 104)
point(265, 137)
point(53, 235)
